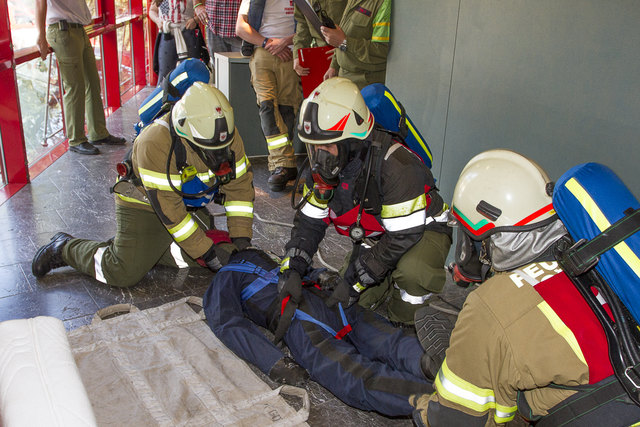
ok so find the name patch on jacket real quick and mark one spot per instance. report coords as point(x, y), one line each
point(364, 11)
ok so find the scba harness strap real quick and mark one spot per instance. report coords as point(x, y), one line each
point(266, 278)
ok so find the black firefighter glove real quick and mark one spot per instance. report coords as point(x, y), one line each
point(219, 253)
point(344, 294)
point(356, 280)
point(290, 296)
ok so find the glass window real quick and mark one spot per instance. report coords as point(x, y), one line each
point(124, 58)
point(40, 106)
point(96, 43)
point(3, 181)
point(22, 19)
point(123, 8)
point(93, 8)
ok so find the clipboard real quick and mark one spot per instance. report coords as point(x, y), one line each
point(309, 13)
point(317, 60)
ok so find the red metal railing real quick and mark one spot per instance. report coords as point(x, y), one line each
point(14, 167)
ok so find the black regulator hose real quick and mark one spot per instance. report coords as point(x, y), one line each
point(305, 197)
point(214, 187)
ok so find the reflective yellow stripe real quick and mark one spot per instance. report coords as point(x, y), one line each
point(562, 329)
point(322, 204)
point(381, 27)
point(241, 166)
point(278, 141)
point(413, 131)
point(206, 176)
point(457, 390)
point(183, 230)
point(132, 200)
point(404, 208)
point(602, 223)
point(236, 208)
point(152, 179)
point(358, 287)
point(284, 265)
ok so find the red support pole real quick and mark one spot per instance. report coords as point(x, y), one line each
point(13, 148)
point(152, 30)
point(110, 56)
point(137, 44)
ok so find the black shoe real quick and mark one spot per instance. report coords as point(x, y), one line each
point(287, 371)
point(433, 330)
point(49, 256)
point(84, 148)
point(280, 176)
point(110, 140)
point(247, 48)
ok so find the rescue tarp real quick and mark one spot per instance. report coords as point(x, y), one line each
point(164, 367)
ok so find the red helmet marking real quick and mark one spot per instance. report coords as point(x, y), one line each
point(341, 124)
point(536, 214)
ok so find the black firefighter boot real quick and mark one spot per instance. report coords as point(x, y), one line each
point(49, 256)
point(280, 176)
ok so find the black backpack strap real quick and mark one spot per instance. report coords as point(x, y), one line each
point(178, 149)
point(584, 407)
point(582, 256)
point(382, 143)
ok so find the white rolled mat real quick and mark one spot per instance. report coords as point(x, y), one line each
point(39, 381)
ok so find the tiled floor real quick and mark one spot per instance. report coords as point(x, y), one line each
point(73, 196)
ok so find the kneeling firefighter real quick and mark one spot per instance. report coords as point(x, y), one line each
point(184, 160)
point(374, 190)
point(526, 341)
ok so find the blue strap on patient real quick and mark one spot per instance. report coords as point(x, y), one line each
point(268, 277)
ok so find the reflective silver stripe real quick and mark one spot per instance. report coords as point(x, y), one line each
point(443, 217)
point(468, 395)
point(391, 149)
point(278, 142)
point(176, 253)
point(238, 208)
point(412, 299)
point(404, 222)
point(97, 264)
point(294, 252)
point(162, 123)
point(314, 212)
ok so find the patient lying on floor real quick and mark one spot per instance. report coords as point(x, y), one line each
point(356, 354)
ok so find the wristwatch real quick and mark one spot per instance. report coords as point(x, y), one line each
point(343, 45)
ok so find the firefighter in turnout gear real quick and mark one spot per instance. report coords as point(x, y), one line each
point(180, 163)
point(525, 341)
point(375, 191)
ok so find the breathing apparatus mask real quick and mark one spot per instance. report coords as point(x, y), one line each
point(331, 119)
point(327, 161)
point(503, 213)
point(204, 118)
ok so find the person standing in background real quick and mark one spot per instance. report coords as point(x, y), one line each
point(220, 18)
point(65, 20)
point(362, 42)
point(307, 36)
point(178, 38)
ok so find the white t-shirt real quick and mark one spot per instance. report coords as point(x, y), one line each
point(74, 11)
point(277, 19)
